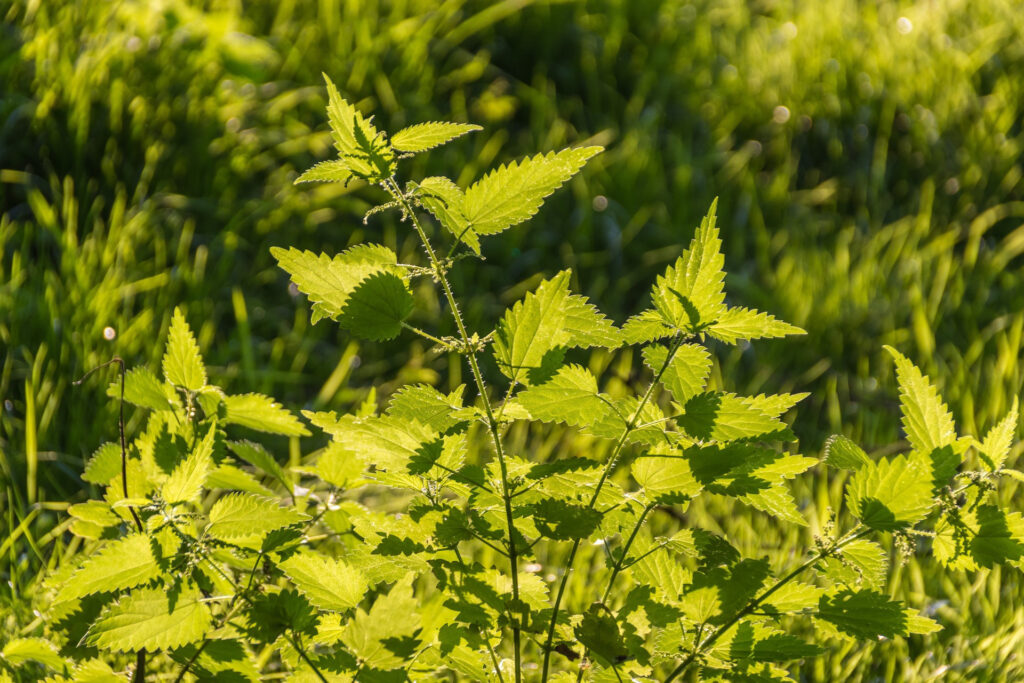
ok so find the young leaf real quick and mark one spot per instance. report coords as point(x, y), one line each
point(423, 136)
point(891, 494)
point(125, 563)
point(744, 323)
point(152, 618)
point(996, 446)
point(329, 584)
point(335, 171)
point(586, 327)
point(359, 144)
point(691, 293)
point(926, 419)
point(263, 414)
point(183, 366)
point(571, 397)
point(511, 194)
point(844, 454)
point(686, 375)
point(446, 202)
point(187, 479)
point(242, 515)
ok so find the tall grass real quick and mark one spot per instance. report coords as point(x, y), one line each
point(869, 156)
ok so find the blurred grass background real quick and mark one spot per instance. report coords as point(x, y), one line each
point(868, 157)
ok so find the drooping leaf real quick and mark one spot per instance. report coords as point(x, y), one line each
point(570, 397)
point(562, 521)
point(329, 583)
point(864, 614)
point(717, 416)
point(377, 306)
point(20, 650)
point(125, 563)
point(691, 293)
point(186, 481)
point(891, 494)
point(141, 388)
point(152, 618)
point(744, 323)
point(423, 136)
point(687, 373)
point(599, 633)
point(263, 414)
point(329, 282)
point(258, 457)
point(926, 419)
point(243, 515)
point(183, 365)
point(511, 194)
point(336, 171)
point(844, 454)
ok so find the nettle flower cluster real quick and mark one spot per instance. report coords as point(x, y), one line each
point(207, 558)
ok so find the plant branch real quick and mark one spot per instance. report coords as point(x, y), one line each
point(630, 426)
point(392, 187)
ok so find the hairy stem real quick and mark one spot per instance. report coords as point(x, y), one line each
point(439, 272)
point(700, 647)
point(630, 426)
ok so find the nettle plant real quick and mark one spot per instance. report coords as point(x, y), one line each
point(429, 541)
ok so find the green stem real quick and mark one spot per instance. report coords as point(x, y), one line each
point(492, 423)
point(630, 426)
point(756, 602)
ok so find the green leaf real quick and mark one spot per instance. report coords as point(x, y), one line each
point(258, 457)
point(377, 307)
point(263, 414)
point(446, 202)
point(511, 194)
point(645, 327)
point(329, 583)
point(532, 589)
point(104, 464)
point(744, 323)
point(427, 405)
point(586, 327)
point(996, 446)
point(665, 478)
point(375, 635)
point(686, 375)
point(891, 494)
point(844, 454)
point(762, 643)
point(571, 397)
point(242, 515)
point(361, 147)
point(141, 388)
point(152, 618)
point(926, 419)
point(563, 521)
point(774, 405)
point(863, 562)
point(389, 442)
point(183, 366)
point(186, 481)
point(691, 293)
point(336, 171)
point(227, 476)
point(716, 416)
point(328, 282)
point(424, 136)
point(599, 633)
point(864, 614)
point(793, 597)
point(20, 650)
point(125, 563)
point(530, 330)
